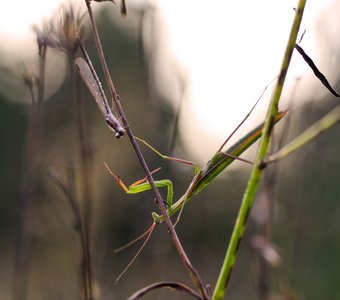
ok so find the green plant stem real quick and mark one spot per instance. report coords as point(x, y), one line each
point(257, 170)
point(320, 126)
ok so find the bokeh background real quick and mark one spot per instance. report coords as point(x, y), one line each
point(291, 247)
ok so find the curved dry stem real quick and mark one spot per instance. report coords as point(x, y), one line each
point(165, 284)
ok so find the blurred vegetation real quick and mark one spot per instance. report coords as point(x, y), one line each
point(305, 224)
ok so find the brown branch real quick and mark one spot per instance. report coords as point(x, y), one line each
point(115, 98)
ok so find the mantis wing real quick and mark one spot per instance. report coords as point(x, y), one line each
point(220, 160)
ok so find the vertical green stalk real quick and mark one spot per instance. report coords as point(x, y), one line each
point(257, 170)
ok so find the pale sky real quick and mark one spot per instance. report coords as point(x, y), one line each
point(228, 50)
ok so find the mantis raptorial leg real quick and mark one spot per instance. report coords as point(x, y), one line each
point(143, 185)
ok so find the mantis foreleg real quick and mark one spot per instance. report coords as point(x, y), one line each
point(143, 185)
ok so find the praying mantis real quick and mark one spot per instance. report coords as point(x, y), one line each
point(220, 161)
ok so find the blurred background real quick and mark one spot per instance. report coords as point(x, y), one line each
point(187, 73)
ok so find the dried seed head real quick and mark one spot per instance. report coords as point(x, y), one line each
point(28, 78)
point(70, 30)
point(62, 32)
point(43, 38)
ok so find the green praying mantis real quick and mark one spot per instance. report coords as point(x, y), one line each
point(219, 162)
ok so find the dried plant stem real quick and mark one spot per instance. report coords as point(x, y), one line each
point(268, 198)
point(171, 285)
point(86, 185)
point(32, 161)
point(27, 202)
point(86, 282)
point(68, 189)
point(192, 271)
point(257, 170)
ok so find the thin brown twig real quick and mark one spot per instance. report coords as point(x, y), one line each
point(247, 116)
point(32, 162)
point(192, 271)
point(68, 189)
point(85, 150)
